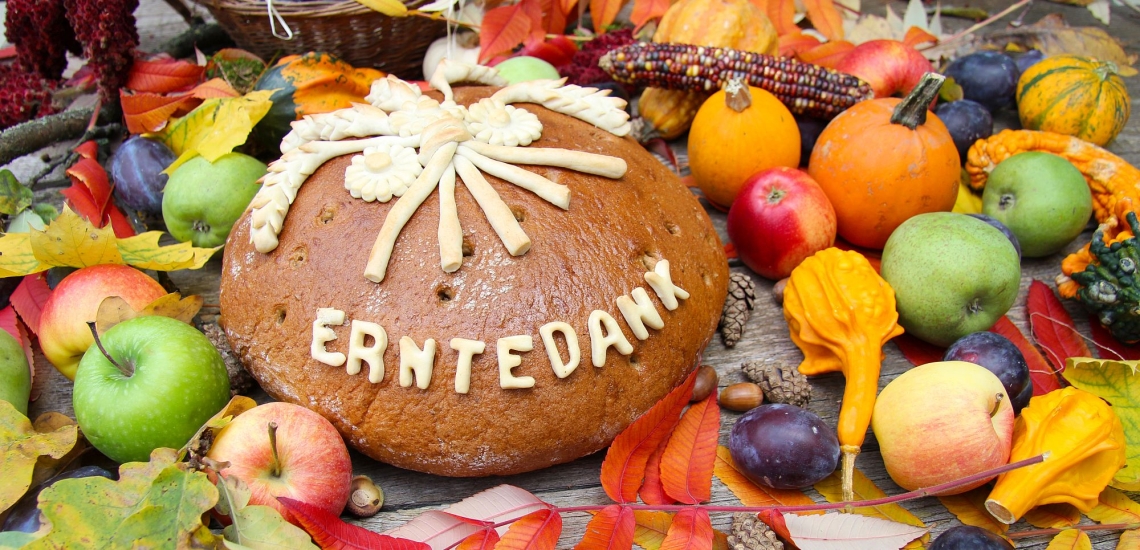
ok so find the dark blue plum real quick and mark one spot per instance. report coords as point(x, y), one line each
point(968, 121)
point(616, 90)
point(1029, 59)
point(783, 446)
point(24, 516)
point(136, 170)
point(968, 537)
point(810, 128)
point(990, 78)
point(998, 355)
point(1001, 227)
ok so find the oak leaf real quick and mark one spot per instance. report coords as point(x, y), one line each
point(21, 445)
point(689, 457)
point(114, 310)
point(155, 504)
point(1053, 516)
point(1070, 539)
point(611, 528)
point(215, 127)
point(1040, 371)
point(838, 531)
point(1115, 382)
point(749, 493)
point(970, 509)
point(257, 527)
point(1053, 327)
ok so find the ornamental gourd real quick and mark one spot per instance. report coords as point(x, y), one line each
point(840, 313)
point(738, 132)
point(724, 23)
point(1074, 95)
point(1102, 275)
point(885, 160)
point(308, 84)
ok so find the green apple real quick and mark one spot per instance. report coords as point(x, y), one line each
point(524, 68)
point(202, 200)
point(1042, 198)
point(952, 275)
point(166, 381)
point(15, 376)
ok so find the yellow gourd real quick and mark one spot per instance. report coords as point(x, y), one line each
point(1074, 95)
point(1084, 443)
point(841, 312)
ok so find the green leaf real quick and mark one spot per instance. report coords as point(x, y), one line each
point(155, 504)
point(1117, 383)
point(14, 197)
point(15, 539)
point(20, 446)
point(256, 527)
point(45, 211)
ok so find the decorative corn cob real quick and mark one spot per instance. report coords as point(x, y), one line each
point(805, 88)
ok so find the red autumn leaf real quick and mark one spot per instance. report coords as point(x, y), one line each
point(567, 6)
point(91, 174)
point(1044, 379)
point(119, 222)
point(88, 150)
point(535, 531)
point(81, 201)
point(331, 533)
point(783, 16)
point(503, 28)
point(828, 54)
point(730, 251)
point(483, 539)
point(1053, 327)
point(825, 18)
point(774, 519)
point(533, 11)
point(652, 491)
point(661, 148)
point(149, 112)
point(90, 196)
point(604, 12)
point(215, 87)
point(795, 43)
point(29, 298)
point(687, 465)
point(916, 37)
point(918, 352)
point(1109, 346)
point(611, 528)
point(691, 530)
point(624, 466)
point(645, 11)
point(165, 75)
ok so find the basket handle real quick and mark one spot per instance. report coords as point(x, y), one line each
point(275, 18)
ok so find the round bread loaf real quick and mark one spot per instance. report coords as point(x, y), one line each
point(582, 260)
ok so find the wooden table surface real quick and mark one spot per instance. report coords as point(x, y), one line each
point(766, 336)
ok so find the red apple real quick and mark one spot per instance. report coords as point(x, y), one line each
point(780, 217)
point(311, 463)
point(942, 422)
point(889, 66)
point(63, 331)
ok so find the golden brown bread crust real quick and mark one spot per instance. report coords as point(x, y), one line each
point(582, 259)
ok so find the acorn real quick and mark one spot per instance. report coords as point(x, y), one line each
point(366, 497)
point(705, 383)
point(741, 397)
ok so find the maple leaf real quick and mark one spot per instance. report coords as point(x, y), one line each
point(749, 493)
point(21, 445)
point(114, 310)
point(1053, 327)
point(72, 241)
point(1070, 539)
point(503, 28)
point(1115, 382)
point(163, 75)
point(687, 463)
point(155, 504)
point(215, 127)
point(970, 509)
point(611, 528)
point(330, 532)
point(256, 526)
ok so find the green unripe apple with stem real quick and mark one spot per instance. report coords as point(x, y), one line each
point(149, 382)
point(202, 200)
point(15, 375)
point(952, 274)
point(1042, 198)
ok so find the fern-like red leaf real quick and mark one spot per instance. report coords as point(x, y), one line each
point(624, 466)
point(535, 531)
point(652, 491)
point(1040, 371)
point(611, 528)
point(503, 28)
point(774, 519)
point(483, 539)
point(687, 465)
point(332, 533)
point(691, 530)
point(1053, 327)
point(918, 352)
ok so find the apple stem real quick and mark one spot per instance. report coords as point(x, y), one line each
point(99, 344)
point(911, 112)
point(275, 466)
point(997, 404)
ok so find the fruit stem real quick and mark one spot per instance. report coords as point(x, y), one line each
point(737, 96)
point(275, 466)
point(99, 344)
point(911, 112)
point(849, 474)
point(997, 404)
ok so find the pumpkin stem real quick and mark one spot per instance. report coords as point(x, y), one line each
point(736, 95)
point(912, 111)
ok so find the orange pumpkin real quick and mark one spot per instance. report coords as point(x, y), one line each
point(885, 160)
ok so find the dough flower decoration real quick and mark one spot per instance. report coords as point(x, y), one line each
point(402, 134)
point(382, 172)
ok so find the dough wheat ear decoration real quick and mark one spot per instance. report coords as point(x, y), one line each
point(408, 145)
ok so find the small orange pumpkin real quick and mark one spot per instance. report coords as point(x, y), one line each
point(885, 160)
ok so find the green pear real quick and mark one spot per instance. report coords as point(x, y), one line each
point(952, 275)
point(15, 375)
point(1042, 198)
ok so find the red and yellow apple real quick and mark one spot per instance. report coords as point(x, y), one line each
point(889, 66)
point(780, 217)
point(63, 332)
point(942, 422)
point(305, 460)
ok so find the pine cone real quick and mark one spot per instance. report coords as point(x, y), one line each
point(737, 308)
point(749, 533)
point(240, 380)
point(781, 384)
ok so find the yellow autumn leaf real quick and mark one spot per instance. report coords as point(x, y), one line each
point(1053, 516)
point(970, 509)
point(1070, 539)
point(72, 241)
point(1117, 383)
point(16, 256)
point(1113, 506)
point(393, 8)
point(1129, 539)
point(749, 493)
point(114, 310)
point(831, 488)
point(651, 528)
point(144, 252)
point(20, 446)
point(215, 127)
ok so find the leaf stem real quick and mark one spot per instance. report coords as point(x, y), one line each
point(1047, 532)
point(981, 24)
point(99, 344)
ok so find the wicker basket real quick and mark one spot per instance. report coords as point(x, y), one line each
point(345, 28)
